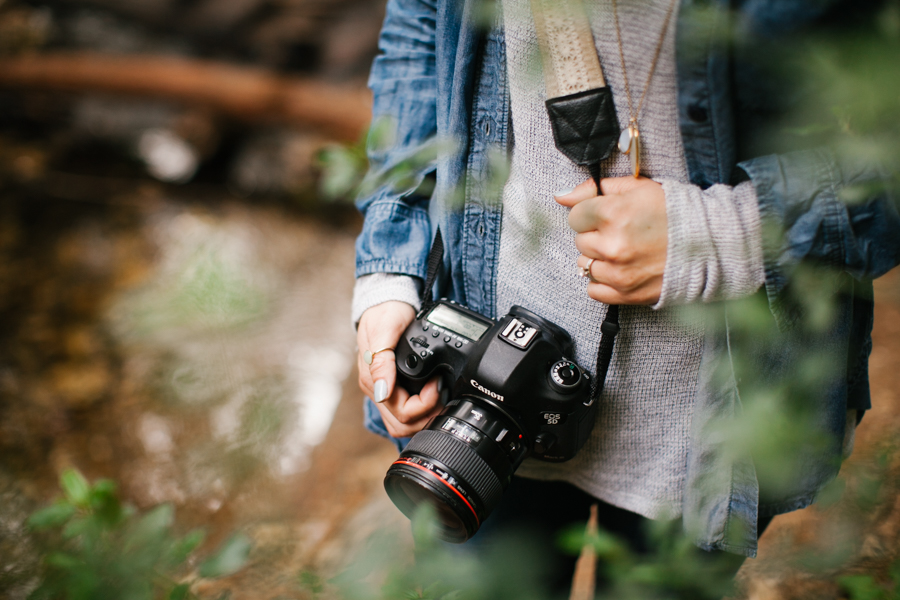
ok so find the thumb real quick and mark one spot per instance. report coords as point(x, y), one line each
point(584, 191)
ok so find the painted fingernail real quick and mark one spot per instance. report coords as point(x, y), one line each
point(440, 384)
point(564, 192)
point(380, 390)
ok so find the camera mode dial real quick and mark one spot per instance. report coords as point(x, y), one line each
point(565, 376)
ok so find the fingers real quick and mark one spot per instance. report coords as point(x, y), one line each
point(608, 248)
point(381, 327)
point(645, 295)
point(405, 415)
point(621, 185)
point(608, 186)
point(588, 215)
point(612, 284)
point(582, 192)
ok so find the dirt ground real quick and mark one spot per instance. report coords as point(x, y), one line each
point(199, 353)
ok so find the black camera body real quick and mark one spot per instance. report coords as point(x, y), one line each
point(513, 394)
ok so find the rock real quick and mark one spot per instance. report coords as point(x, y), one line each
point(80, 384)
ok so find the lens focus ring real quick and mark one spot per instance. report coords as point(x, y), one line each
point(458, 456)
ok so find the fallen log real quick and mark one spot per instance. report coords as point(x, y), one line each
point(245, 93)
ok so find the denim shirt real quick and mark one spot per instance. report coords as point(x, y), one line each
point(441, 76)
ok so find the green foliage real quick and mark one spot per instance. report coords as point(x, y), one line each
point(674, 567)
point(865, 587)
point(510, 569)
point(208, 283)
point(95, 547)
point(228, 559)
point(344, 168)
point(311, 582)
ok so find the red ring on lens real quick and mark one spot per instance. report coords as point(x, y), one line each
point(406, 461)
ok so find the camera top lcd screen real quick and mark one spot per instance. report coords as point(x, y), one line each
point(446, 317)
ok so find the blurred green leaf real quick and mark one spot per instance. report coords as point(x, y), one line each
point(151, 528)
point(862, 587)
point(606, 545)
point(832, 493)
point(182, 548)
point(61, 560)
point(77, 527)
point(54, 515)
point(342, 171)
point(229, 559)
point(104, 502)
point(76, 487)
point(180, 591)
point(311, 582)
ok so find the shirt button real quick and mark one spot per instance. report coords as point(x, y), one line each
point(697, 113)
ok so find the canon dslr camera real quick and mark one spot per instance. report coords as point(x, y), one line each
point(514, 394)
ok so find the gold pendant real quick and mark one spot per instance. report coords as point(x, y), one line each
point(634, 151)
point(630, 144)
point(625, 140)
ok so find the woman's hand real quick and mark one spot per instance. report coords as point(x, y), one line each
point(626, 231)
point(381, 327)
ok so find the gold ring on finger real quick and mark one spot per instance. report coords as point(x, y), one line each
point(369, 355)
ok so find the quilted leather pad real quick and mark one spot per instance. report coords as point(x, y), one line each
point(585, 125)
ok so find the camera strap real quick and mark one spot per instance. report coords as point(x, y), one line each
point(435, 257)
point(582, 115)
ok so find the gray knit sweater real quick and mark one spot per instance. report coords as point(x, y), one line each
point(636, 457)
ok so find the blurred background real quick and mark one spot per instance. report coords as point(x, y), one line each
point(175, 280)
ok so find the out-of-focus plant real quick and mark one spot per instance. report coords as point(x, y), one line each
point(206, 289)
point(511, 569)
point(95, 547)
point(865, 587)
point(346, 174)
point(343, 167)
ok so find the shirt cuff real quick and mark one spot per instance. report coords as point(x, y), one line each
point(714, 250)
point(383, 287)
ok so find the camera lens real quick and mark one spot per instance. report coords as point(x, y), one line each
point(459, 465)
point(412, 493)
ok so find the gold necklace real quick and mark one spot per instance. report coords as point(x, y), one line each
point(630, 139)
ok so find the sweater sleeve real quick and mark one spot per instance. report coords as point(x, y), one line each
point(382, 287)
point(714, 249)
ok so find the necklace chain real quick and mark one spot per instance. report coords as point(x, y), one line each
point(633, 114)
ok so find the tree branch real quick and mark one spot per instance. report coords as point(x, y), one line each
point(244, 93)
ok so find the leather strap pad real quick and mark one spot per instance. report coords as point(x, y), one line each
point(585, 125)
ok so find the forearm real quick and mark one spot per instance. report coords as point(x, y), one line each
point(714, 247)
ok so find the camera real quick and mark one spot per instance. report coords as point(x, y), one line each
point(513, 394)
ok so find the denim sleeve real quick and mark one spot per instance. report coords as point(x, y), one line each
point(810, 211)
point(396, 232)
